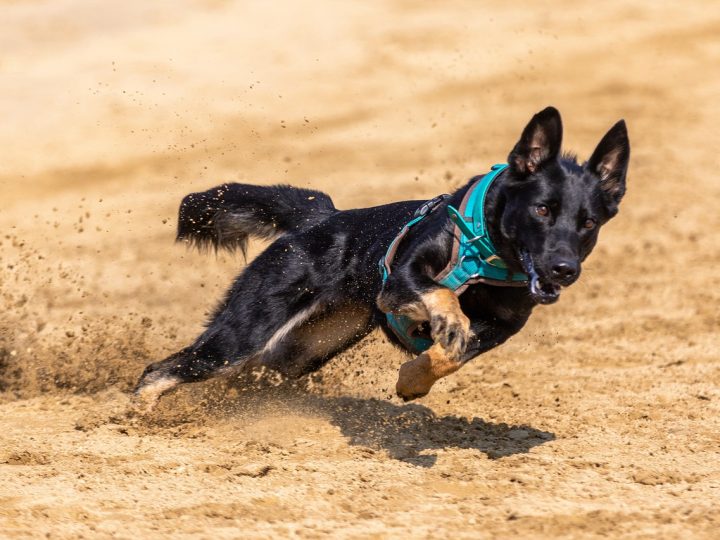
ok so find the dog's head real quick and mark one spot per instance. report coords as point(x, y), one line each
point(555, 207)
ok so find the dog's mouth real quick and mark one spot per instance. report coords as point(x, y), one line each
point(542, 291)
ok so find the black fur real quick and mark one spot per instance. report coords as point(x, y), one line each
point(225, 216)
point(316, 289)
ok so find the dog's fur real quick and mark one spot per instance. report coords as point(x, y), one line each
point(316, 289)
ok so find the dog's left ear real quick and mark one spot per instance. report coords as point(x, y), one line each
point(609, 162)
point(540, 142)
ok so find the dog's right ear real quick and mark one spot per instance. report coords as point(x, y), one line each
point(540, 142)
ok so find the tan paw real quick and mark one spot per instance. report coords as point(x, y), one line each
point(417, 376)
point(414, 379)
point(452, 332)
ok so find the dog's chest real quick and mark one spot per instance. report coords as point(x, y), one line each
point(496, 304)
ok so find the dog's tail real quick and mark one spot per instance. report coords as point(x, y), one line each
point(226, 215)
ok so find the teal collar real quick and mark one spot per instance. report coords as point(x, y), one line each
point(475, 258)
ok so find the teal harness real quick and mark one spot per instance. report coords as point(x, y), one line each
point(474, 258)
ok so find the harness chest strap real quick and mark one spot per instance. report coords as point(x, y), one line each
point(473, 260)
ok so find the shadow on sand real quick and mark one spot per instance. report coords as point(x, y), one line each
point(406, 432)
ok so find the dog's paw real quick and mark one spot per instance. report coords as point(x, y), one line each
point(452, 332)
point(148, 391)
point(415, 378)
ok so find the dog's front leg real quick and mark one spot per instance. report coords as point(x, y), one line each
point(411, 291)
point(418, 375)
point(450, 331)
point(449, 326)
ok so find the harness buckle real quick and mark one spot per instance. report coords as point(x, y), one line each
point(477, 274)
point(493, 258)
point(429, 206)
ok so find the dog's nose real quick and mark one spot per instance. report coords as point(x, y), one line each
point(564, 270)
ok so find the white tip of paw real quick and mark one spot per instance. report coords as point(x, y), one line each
point(147, 396)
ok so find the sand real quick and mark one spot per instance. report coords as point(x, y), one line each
point(600, 419)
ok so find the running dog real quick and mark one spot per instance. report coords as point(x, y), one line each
point(446, 279)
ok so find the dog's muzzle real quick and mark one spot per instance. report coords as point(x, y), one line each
point(542, 291)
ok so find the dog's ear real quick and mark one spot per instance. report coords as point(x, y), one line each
point(540, 142)
point(609, 162)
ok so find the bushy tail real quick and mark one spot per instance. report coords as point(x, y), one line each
point(225, 216)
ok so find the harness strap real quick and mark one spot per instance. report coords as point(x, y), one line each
point(425, 210)
point(474, 259)
point(413, 334)
point(390, 255)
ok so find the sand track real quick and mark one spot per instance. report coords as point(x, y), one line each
point(601, 418)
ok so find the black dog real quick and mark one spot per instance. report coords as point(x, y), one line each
point(316, 289)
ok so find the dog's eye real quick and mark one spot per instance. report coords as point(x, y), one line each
point(589, 223)
point(542, 210)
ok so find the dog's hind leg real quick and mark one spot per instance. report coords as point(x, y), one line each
point(228, 344)
point(307, 339)
point(296, 280)
point(274, 290)
point(205, 359)
point(307, 345)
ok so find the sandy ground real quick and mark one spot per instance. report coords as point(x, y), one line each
point(599, 419)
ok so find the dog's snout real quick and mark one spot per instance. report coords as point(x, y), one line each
point(565, 270)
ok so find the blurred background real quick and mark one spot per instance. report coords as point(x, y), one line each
point(112, 111)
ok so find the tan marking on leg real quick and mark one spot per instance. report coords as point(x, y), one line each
point(147, 396)
point(441, 301)
point(331, 330)
point(449, 326)
point(437, 301)
point(417, 376)
point(417, 311)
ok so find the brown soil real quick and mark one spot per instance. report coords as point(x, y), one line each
point(600, 418)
